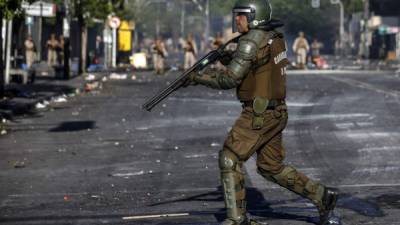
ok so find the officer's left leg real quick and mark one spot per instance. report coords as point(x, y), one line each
point(270, 166)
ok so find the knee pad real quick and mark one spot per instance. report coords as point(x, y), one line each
point(227, 160)
point(286, 177)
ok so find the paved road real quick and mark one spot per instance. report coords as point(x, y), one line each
point(99, 157)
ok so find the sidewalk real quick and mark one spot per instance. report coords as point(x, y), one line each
point(27, 99)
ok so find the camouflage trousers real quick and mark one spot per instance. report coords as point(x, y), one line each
point(266, 141)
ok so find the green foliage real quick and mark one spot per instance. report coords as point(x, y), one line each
point(352, 6)
point(87, 10)
point(219, 8)
point(11, 8)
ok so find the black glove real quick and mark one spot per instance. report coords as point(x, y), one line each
point(226, 57)
point(190, 80)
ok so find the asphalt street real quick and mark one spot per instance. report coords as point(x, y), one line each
point(100, 159)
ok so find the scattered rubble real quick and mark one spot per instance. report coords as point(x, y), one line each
point(90, 77)
point(115, 76)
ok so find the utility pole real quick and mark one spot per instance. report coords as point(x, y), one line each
point(39, 49)
point(207, 12)
point(341, 29)
point(8, 51)
point(364, 50)
point(1, 56)
point(66, 33)
point(183, 19)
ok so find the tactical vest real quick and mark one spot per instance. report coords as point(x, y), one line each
point(267, 78)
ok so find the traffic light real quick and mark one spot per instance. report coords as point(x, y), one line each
point(315, 3)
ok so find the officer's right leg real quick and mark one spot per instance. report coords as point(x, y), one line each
point(233, 187)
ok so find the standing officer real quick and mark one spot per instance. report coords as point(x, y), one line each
point(258, 72)
point(29, 51)
point(190, 49)
point(301, 48)
point(159, 53)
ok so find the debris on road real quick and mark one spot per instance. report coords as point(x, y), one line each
point(92, 86)
point(60, 99)
point(155, 216)
point(40, 105)
point(90, 77)
point(19, 164)
point(214, 144)
point(115, 76)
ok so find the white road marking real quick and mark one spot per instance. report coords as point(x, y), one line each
point(322, 72)
point(366, 134)
point(344, 125)
point(199, 156)
point(128, 174)
point(376, 169)
point(379, 149)
point(155, 216)
point(368, 185)
point(301, 104)
point(330, 116)
point(364, 85)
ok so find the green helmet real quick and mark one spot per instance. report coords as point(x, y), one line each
point(258, 12)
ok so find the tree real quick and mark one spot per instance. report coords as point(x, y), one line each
point(88, 10)
point(8, 9)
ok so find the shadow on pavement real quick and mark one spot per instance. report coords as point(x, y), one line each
point(257, 206)
point(74, 126)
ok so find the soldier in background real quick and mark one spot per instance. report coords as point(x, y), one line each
point(29, 51)
point(301, 48)
point(315, 52)
point(218, 41)
point(52, 46)
point(60, 49)
point(159, 54)
point(190, 49)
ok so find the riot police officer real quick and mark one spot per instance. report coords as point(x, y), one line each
point(257, 70)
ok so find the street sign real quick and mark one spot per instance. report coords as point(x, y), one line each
point(40, 8)
point(315, 3)
point(29, 20)
point(114, 22)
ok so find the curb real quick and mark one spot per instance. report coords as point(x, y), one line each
point(42, 104)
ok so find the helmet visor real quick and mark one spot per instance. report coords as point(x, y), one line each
point(245, 11)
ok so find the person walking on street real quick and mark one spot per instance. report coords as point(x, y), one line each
point(301, 48)
point(190, 49)
point(29, 51)
point(218, 42)
point(258, 72)
point(159, 54)
point(315, 52)
point(99, 51)
point(60, 49)
point(52, 46)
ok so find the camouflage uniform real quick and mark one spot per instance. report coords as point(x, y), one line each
point(258, 72)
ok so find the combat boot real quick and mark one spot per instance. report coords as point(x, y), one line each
point(245, 221)
point(327, 205)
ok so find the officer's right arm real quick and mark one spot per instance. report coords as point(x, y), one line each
point(236, 71)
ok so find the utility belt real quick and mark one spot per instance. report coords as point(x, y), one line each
point(271, 105)
point(259, 106)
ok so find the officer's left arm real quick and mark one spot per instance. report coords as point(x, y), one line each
point(236, 70)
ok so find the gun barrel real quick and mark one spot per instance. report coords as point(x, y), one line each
point(177, 83)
